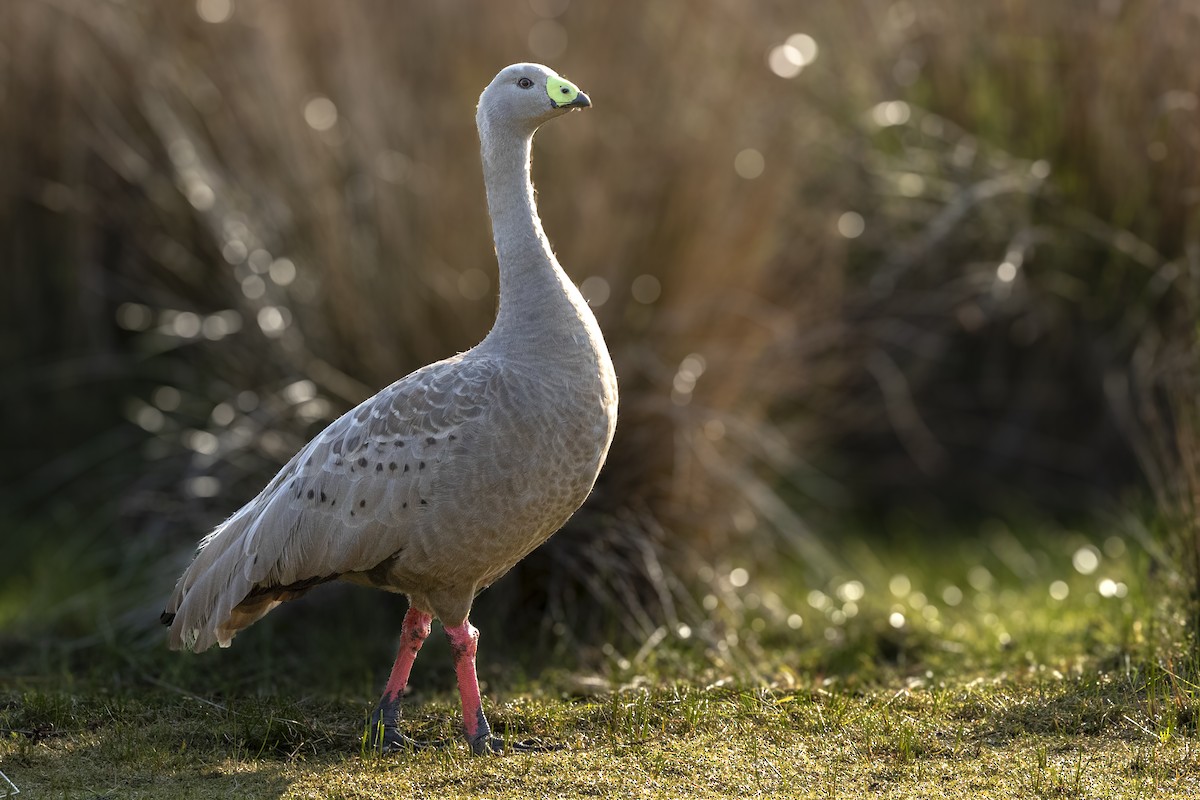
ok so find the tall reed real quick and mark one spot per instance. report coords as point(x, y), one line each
point(954, 252)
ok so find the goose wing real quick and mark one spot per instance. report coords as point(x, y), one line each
point(345, 503)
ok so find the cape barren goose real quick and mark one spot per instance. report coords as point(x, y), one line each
point(441, 482)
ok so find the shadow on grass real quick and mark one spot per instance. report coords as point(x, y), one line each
point(101, 741)
point(1100, 705)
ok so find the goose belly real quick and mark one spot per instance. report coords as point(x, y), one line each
point(501, 492)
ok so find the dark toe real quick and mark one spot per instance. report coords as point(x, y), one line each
point(493, 745)
point(486, 745)
point(533, 746)
point(383, 733)
point(395, 742)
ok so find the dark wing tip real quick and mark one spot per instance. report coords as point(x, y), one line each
point(166, 618)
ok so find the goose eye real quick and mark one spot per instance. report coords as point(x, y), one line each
point(525, 83)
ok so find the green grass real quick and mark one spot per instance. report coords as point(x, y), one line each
point(1031, 735)
point(1000, 691)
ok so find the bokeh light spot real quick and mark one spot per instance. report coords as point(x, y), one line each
point(979, 578)
point(1059, 590)
point(684, 383)
point(271, 320)
point(547, 39)
point(201, 442)
point(203, 486)
point(896, 620)
point(788, 59)
point(200, 195)
point(785, 61)
point(222, 414)
point(851, 591)
point(645, 289)
point(805, 47)
point(320, 113)
point(214, 11)
point(891, 112)
point(392, 166)
point(315, 409)
point(595, 290)
point(253, 287)
point(218, 326)
point(749, 163)
point(714, 430)
point(910, 184)
point(1086, 559)
point(148, 418)
point(744, 520)
point(299, 391)
point(851, 225)
point(1007, 271)
point(259, 261)
point(166, 397)
point(282, 271)
point(234, 251)
point(739, 577)
point(134, 316)
point(474, 284)
point(694, 364)
point(186, 325)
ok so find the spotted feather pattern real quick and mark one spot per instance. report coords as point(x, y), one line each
point(351, 499)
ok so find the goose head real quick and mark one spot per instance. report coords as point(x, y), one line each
point(522, 97)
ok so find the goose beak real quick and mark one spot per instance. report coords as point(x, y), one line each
point(564, 94)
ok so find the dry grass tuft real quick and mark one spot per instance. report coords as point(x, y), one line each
point(283, 211)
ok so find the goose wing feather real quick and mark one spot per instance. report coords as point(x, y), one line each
point(345, 503)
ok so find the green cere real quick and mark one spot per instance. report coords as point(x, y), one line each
point(562, 92)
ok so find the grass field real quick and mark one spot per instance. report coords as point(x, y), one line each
point(1028, 734)
point(1007, 666)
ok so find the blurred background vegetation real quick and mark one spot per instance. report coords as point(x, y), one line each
point(867, 268)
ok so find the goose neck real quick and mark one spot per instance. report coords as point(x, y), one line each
point(534, 290)
point(516, 228)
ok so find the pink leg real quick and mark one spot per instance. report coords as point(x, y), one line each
point(413, 632)
point(464, 642)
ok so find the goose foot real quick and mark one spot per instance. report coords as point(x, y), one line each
point(483, 743)
point(393, 741)
point(384, 736)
